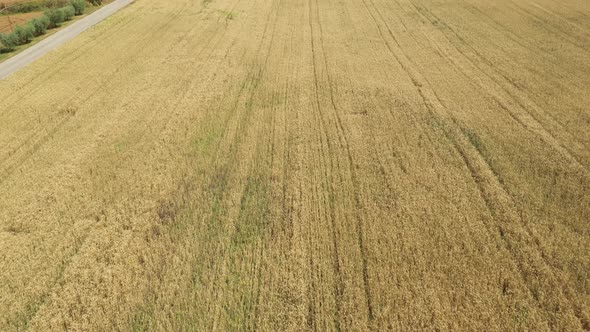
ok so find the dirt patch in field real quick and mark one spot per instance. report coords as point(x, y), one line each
point(9, 22)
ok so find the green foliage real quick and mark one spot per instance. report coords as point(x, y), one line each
point(55, 16)
point(52, 18)
point(68, 12)
point(33, 5)
point(8, 41)
point(39, 25)
point(23, 35)
point(96, 2)
point(79, 6)
point(26, 7)
point(229, 15)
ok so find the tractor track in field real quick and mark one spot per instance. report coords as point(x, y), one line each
point(306, 164)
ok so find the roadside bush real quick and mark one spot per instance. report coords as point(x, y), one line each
point(23, 35)
point(39, 25)
point(55, 16)
point(32, 5)
point(24, 7)
point(96, 2)
point(68, 12)
point(8, 42)
point(79, 6)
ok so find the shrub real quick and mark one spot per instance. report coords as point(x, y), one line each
point(39, 25)
point(24, 7)
point(68, 12)
point(55, 16)
point(8, 41)
point(96, 2)
point(79, 6)
point(23, 35)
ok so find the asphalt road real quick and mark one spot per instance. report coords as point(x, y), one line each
point(35, 52)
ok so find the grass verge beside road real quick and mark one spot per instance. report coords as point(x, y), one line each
point(8, 52)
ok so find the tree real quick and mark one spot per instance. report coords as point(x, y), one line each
point(55, 16)
point(23, 35)
point(79, 6)
point(39, 25)
point(8, 41)
point(68, 12)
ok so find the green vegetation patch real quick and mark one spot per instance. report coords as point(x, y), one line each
point(52, 18)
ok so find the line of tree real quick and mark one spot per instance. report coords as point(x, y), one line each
point(52, 18)
point(31, 5)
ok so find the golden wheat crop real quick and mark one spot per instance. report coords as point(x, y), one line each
point(302, 165)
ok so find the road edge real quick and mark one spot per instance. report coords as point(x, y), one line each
point(35, 52)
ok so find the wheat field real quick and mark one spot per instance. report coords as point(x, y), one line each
point(406, 165)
